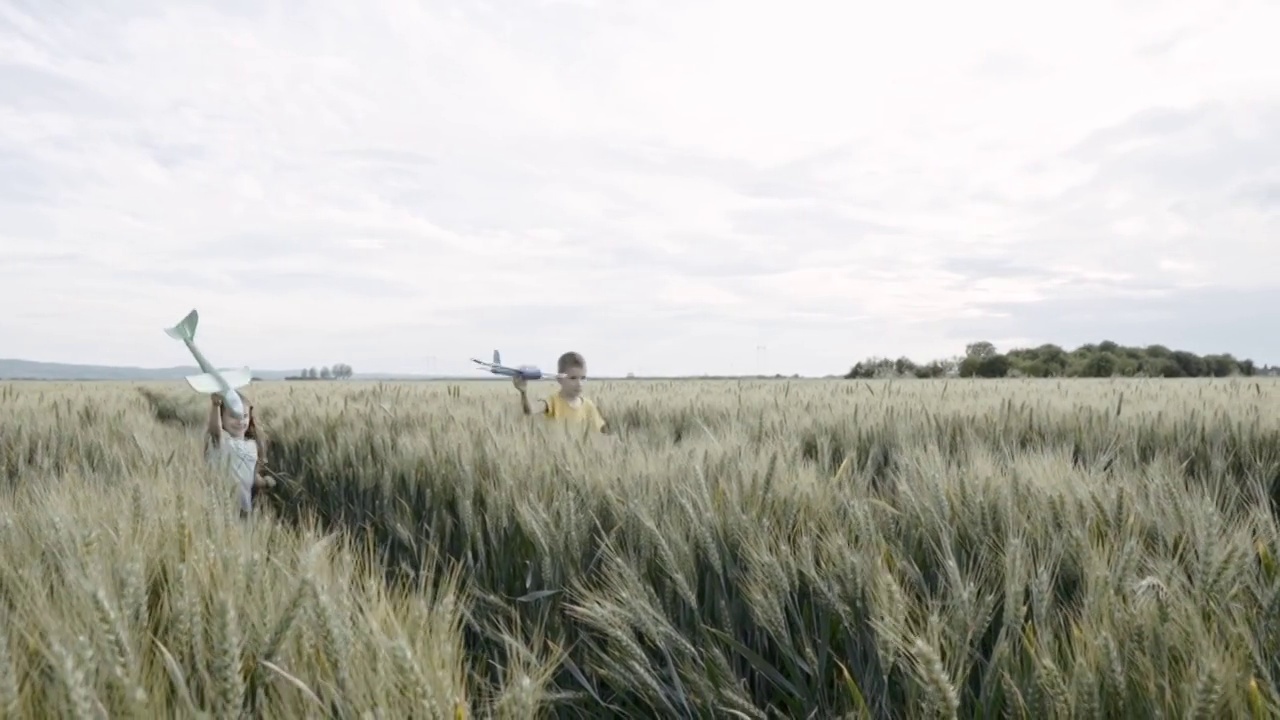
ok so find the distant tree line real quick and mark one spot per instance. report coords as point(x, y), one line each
point(340, 371)
point(1105, 359)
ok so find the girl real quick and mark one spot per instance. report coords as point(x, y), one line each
point(237, 448)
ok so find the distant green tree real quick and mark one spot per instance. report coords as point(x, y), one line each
point(1099, 365)
point(1221, 365)
point(980, 350)
point(934, 369)
point(993, 366)
point(1191, 364)
point(1103, 359)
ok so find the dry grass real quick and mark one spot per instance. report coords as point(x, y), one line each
point(769, 549)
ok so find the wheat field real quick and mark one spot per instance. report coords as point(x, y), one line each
point(753, 549)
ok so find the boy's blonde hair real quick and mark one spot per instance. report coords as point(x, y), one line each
point(570, 361)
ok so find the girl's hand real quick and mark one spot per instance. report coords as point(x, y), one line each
point(520, 382)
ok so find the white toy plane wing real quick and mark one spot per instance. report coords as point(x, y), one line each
point(207, 383)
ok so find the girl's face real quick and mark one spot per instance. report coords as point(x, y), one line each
point(236, 426)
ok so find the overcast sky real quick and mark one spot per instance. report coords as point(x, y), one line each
point(665, 186)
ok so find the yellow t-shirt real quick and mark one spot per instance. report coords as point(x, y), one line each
point(559, 409)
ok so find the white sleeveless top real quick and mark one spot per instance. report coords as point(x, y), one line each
point(237, 459)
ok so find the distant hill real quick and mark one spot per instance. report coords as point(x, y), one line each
point(32, 370)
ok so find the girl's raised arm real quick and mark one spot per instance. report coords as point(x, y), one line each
point(215, 420)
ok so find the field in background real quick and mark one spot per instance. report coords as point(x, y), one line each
point(740, 549)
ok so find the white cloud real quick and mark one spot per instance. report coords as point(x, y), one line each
point(662, 186)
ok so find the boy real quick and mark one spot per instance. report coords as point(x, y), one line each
point(568, 404)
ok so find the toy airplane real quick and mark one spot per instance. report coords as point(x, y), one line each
point(221, 382)
point(528, 372)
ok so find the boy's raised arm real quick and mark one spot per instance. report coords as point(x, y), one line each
point(522, 385)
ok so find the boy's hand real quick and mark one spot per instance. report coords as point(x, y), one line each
point(520, 382)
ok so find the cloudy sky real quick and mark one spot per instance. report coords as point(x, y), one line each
point(665, 186)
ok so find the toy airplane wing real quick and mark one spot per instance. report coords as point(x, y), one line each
point(496, 369)
point(207, 383)
point(496, 366)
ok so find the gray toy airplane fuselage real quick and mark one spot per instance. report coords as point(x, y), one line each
point(528, 372)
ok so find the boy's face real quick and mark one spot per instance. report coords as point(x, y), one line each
point(571, 381)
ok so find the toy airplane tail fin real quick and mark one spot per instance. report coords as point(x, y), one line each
point(185, 330)
point(208, 384)
point(497, 359)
